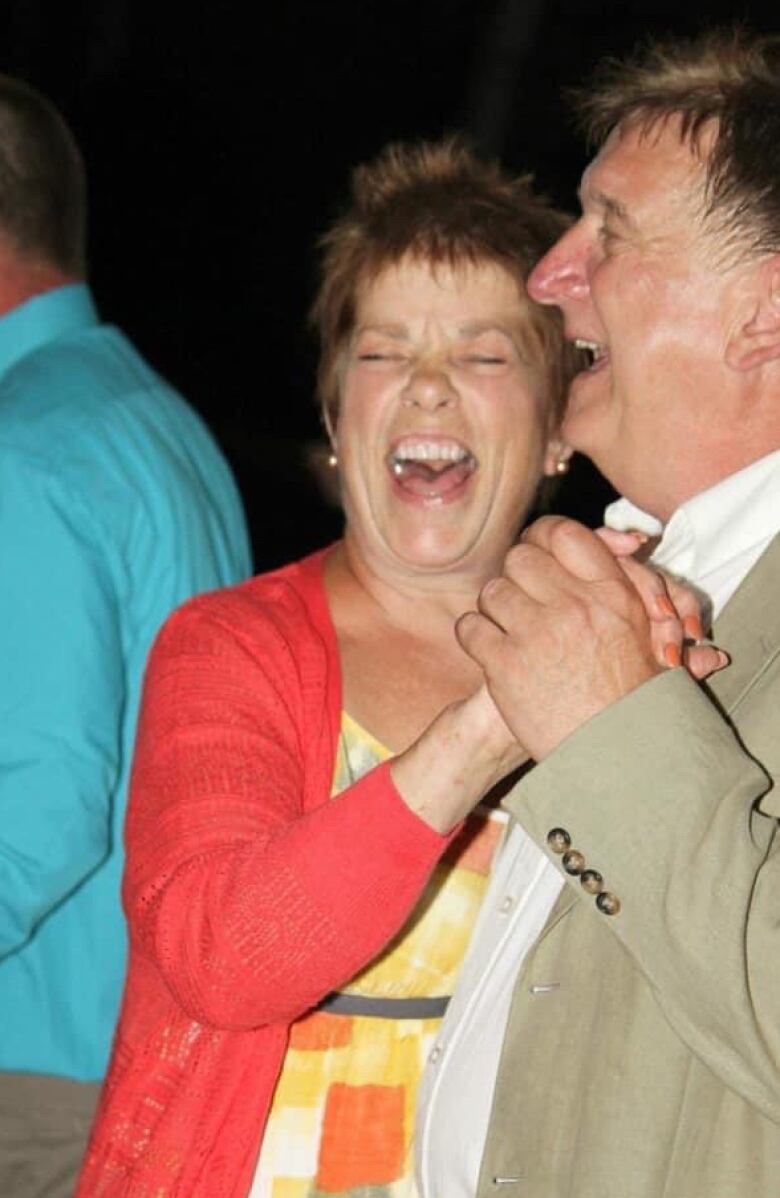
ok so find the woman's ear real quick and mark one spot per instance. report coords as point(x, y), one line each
point(557, 457)
point(755, 339)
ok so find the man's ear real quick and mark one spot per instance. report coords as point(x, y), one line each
point(556, 457)
point(755, 339)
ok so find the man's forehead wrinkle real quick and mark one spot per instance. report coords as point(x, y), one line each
point(609, 205)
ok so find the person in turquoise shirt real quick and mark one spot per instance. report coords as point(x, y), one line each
point(115, 506)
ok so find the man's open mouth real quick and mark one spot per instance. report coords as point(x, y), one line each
point(596, 354)
point(430, 467)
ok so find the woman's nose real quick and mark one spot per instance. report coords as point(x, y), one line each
point(430, 389)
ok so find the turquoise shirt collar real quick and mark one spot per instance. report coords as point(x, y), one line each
point(44, 318)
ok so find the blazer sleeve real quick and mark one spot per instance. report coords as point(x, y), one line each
point(253, 904)
point(661, 798)
point(62, 694)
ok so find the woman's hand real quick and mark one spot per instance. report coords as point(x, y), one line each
point(461, 756)
point(674, 610)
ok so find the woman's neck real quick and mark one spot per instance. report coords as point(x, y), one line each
point(407, 599)
point(401, 662)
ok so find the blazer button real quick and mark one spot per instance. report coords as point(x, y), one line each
point(573, 862)
point(591, 881)
point(559, 840)
point(608, 903)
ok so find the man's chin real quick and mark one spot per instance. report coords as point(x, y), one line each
point(580, 429)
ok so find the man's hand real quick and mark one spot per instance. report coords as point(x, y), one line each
point(560, 635)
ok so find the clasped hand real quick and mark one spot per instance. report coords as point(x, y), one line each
point(570, 628)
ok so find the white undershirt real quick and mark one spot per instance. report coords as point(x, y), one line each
point(712, 541)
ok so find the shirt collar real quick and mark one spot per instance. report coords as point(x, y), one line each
point(44, 318)
point(721, 525)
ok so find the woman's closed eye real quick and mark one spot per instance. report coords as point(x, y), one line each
point(492, 349)
point(484, 359)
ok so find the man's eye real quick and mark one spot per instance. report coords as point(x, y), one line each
point(485, 359)
point(375, 356)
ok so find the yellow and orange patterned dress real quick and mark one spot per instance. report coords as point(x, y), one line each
point(343, 1112)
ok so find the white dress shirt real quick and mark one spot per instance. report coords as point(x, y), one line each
point(712, 541)
point(715, 538)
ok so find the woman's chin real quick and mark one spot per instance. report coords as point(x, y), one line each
point(457, 539)
point(436, 553)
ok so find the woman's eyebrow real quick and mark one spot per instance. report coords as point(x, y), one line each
point(472, 328)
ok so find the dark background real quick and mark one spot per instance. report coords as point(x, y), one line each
point(219, 139)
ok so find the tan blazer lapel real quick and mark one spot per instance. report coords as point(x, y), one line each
point(749, 630)
point(562, 906)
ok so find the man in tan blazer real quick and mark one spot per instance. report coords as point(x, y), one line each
point(616, 1033)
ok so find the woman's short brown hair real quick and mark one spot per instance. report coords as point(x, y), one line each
point(440, 203)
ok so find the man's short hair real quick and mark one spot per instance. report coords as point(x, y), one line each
point(727, 82)
point(439, 203)
point(42, 181)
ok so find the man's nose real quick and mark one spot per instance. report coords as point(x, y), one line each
point(429, 388)
point(561, 273)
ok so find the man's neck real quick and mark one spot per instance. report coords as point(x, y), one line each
point(22, 279)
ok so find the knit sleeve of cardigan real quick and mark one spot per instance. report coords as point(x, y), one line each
point(253, 902)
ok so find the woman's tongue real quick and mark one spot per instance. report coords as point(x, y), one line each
point(431, 479)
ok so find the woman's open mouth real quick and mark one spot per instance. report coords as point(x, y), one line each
point(431, 468)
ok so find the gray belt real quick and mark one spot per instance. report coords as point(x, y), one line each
point(384, 1008)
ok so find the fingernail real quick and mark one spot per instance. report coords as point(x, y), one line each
point(692, 628)
point(723, 659)
point(672, 655)
point(664, 605)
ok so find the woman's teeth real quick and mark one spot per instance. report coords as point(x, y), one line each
point(430, 451)
point(433, 456)
point(431, 461)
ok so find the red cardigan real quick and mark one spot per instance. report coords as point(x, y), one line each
point(249, 894)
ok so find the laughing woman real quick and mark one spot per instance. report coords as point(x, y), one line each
point(306, 846)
